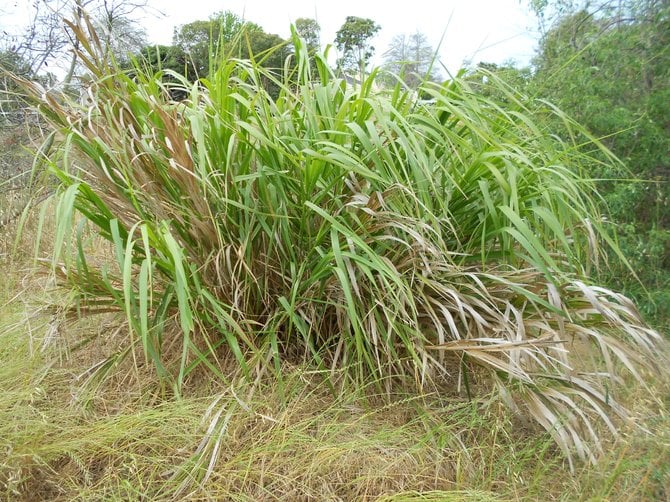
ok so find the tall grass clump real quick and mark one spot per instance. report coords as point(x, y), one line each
point(447, 243)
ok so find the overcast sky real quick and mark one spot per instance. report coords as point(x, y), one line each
point(474, 30)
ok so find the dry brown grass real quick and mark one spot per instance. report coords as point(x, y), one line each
point(121, 442)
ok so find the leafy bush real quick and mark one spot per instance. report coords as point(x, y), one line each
point(396, 239)
point(607, 66)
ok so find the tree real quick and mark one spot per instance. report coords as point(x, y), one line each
point(163, 57)
point(411, 58)
point(46, 41)
point(550, 13)
point(119, 33)
point(353, 42)
point(41, 40)
point(310, 31)
point(608, 66)
point(204, 44)
point(487, 77)
point(269, 51)
point(159, 58)
point(202, 39)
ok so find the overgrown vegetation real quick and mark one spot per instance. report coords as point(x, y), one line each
point(610, 70)
point(398, 292)
point(348, 229)
point(61, 440)
point(606, 65)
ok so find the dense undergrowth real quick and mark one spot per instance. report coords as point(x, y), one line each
point(394, 292)
point(60, 441)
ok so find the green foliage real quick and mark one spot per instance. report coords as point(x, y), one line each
point(201, 40)
point(609, 68)
point(353, 42)
point(270, 52)
point(164, 61)
point(199, 47)
point(12, 61)
point(518, 79)
point(352, 230)
point(310, 31)
point(164, 57)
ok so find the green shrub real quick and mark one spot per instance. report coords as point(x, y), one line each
point(398, 239)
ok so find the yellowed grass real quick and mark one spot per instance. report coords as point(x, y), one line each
point(121, 442)
point(61, 439)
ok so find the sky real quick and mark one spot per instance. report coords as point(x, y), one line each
point(474, 30)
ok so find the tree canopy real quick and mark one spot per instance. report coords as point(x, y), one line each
point(608, 65)
point(200, 46)
point(310, 31)
point(201, 40)
point(353, 42)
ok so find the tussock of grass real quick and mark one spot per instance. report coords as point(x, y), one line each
point(364, 236)
point(307, 444)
